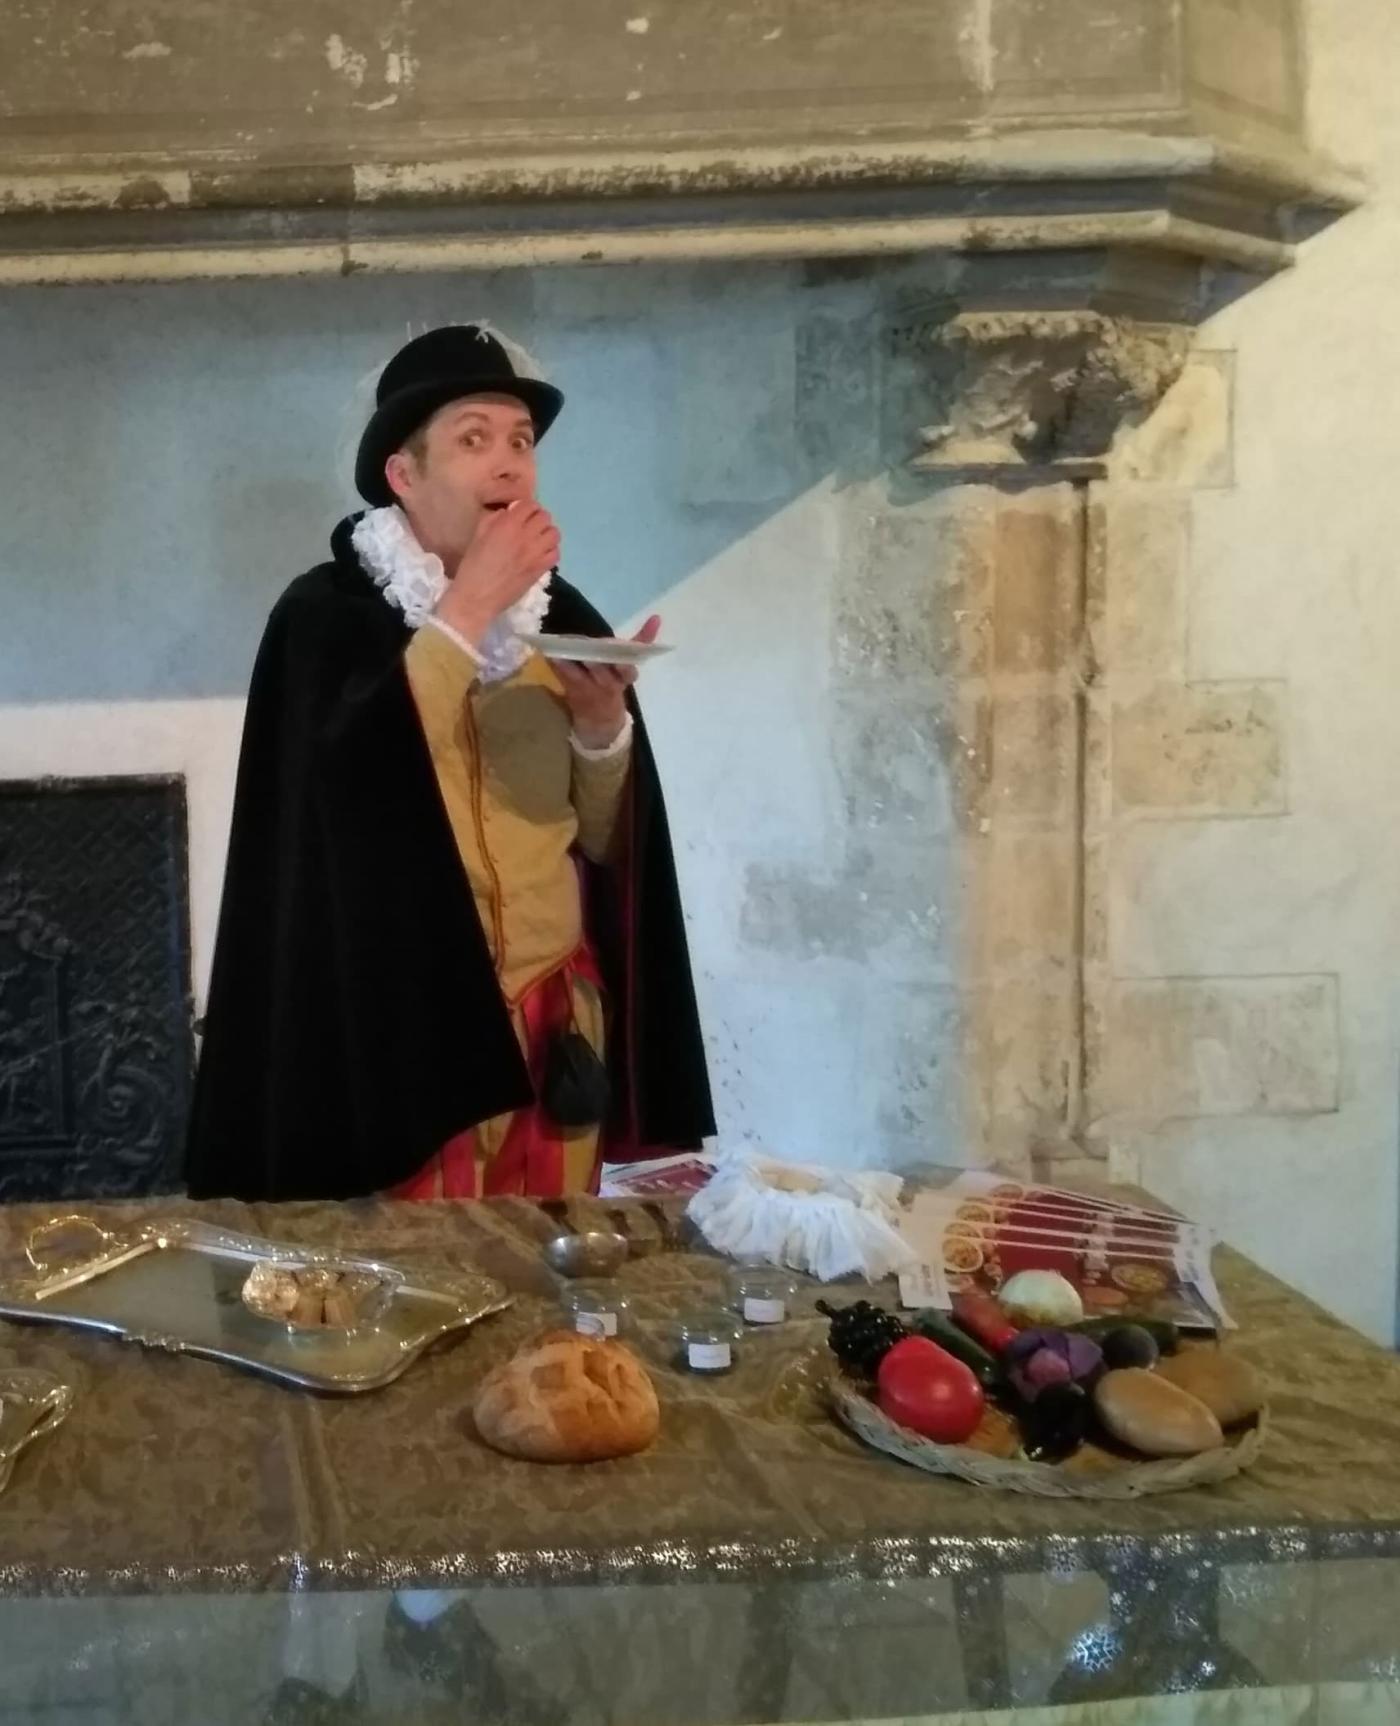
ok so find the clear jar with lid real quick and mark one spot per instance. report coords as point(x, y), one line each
point(760, 1293)
point(705, 1343)
point(595, 1309)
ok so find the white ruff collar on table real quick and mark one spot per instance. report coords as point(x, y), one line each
point(414, 580)
point(824, 1222)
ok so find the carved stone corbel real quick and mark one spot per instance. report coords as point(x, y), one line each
point(1035, 391)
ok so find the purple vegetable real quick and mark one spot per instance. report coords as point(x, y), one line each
point(1085, 1357)
point(1041, 1357)
point(1046, 1367)
point(1029, 1342)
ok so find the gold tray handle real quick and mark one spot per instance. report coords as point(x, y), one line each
point(50, 1410)
point(48, 1264)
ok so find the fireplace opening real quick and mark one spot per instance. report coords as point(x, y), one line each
point(96, 1026)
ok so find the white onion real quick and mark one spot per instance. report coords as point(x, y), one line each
point(1041, 1297)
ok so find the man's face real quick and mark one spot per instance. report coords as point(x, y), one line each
point(476, 454)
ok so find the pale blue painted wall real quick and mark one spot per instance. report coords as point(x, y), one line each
point(170, 451)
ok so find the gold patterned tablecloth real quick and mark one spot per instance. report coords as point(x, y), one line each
point(181, 1477)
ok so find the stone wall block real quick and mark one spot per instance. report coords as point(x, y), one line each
point(1026, 1052)
point(1125, 48)
point(897, 909)
point(923, 1069)
point(1038, 557)
point(914, 599)
point(1027, 902)
point(915, 768)
point(1201, 1047)
point(1035, 744)
point(1201, 749)
point(1140, 547)
point(1246, 58)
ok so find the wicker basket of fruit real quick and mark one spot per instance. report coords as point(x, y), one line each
point(1104, 1409)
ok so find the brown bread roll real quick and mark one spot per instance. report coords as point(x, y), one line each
point(1150, 1415)
point(568, 1398)
point(1228, 1386)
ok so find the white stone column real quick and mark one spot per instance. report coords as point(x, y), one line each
point(1020, 410)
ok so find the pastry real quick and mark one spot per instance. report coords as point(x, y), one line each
point(312, 1297)
point(568, 1398)
point(270, 1292)
point(310, 1308)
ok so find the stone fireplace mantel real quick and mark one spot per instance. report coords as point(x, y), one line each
point(155, 146)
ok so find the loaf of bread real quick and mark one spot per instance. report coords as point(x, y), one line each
point(568, 1398)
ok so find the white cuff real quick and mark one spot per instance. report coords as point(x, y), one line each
point(455, 636)
point(619, 743)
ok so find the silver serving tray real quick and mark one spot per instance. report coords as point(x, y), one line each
point(32, 1403)
point(177, 1285)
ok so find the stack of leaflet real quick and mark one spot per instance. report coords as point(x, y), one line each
point(974, 1230)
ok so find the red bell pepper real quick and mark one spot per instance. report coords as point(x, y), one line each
point(982, 1316)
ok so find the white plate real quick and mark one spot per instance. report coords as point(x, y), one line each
point(595, 649)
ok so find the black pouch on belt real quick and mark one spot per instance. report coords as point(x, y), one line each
point(574, 1089)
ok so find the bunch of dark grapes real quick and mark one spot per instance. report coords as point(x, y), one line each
point(862, 1335)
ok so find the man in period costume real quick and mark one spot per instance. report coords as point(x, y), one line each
point(451, 960)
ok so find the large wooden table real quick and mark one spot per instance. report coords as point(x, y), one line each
point(193, 1532)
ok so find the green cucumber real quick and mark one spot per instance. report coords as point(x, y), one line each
point(938, 1327)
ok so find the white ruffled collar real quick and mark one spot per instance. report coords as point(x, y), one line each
point(414, 580)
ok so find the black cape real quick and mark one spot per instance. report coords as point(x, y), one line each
point(354, 1020)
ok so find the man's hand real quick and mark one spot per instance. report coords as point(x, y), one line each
point(511, 549)
point(597, 694)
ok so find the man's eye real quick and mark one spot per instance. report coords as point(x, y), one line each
point(472, 440)
point(524, 443)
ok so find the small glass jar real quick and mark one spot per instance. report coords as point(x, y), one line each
point(595, 1310)
point(705, 1344)
point(760, 1294)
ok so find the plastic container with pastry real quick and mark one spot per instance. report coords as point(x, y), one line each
point(317, 1300)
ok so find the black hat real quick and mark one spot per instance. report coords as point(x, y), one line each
point(432, 370)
